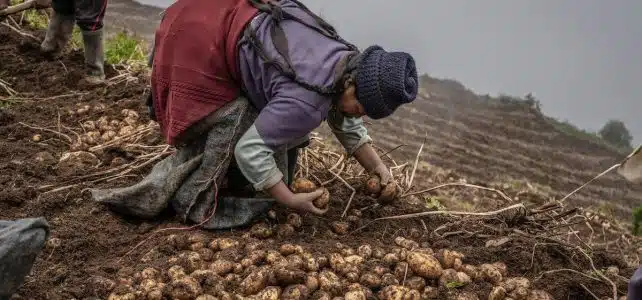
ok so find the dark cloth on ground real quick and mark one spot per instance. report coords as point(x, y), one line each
point(185, 180)
point(20, 243)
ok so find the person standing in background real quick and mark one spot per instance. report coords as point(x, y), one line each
point(88, 15)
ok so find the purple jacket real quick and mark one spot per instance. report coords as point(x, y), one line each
point(289, 112)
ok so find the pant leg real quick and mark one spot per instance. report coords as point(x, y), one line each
point(293, 155)
point(90, 14)
point(20, 243)
point(635, 285)
point(63, 7)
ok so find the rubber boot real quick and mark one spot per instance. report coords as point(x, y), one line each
point(94, 56)
point(58, 34)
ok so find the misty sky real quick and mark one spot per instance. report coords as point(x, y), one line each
point(581, 58)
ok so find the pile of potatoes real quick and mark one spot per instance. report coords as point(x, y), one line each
point(104, 129)
point(227, 269)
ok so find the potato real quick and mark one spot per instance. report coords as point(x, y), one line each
point(206, 254)
point(400, 252)
point(226, 243)
point(447, 257)
point(336, 261)
point(190, 261)
point(294, 261)
point(416, 283)
point(312, 281)
point(222, 267)
point(273, 256)
point(150, 273)
point(108, 136)
point(289, 276)
point(513, 283)
point(329, 282)
point(356, 294)
point(391, 259)
point(269, 293)
point(451, 278)
point(498, 293)
point(295, 220)
point(255, 282)
point(261, 231)
point(155, 295)
point(539, 295)
point(206, 297)
point(347, 251)
point(402, 270)
point(373, 185)
point(321, 295)
point(323, 200)
point(388, 193)
point(354, 259)
point(397, 292)
point(380, 270)
point(92, 137)
point(285, 230)
point(389, 279)
point(89, 125)
point(424, 265)
point(303, 185)
point(430, 292)
point(184, 288)
point(364, 251)
point(501, 267)
point(175, 272)
point(125, 130)
point(295, 292)
point(202, 276)
point(612, 271)
point(370, 280)
point(491, 273)
point(310, 263)
point(519, 293)
point(322, 261)
point(340, 228)
point(473, 272)
point(378, 253)
point(406, 243)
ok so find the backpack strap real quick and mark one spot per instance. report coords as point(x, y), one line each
point(280, 41)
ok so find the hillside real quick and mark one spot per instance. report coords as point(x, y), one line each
point(521, 246)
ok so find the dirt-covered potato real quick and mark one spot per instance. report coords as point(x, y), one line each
point(447, 257)
point(539, 295)
point(498, 293)
point(303, 185)
point(513, 283)
point(206, 297)
point(388, 193)
point(197, 246)
point(89, 125)
point(340, 228)
point(329, 282)
point(261, 231)
point(272, 257)
point(400, 252)
point(373, 185)
point(519, 293)
point(397, 292)
point(429, 292)
point(289, 276)
point(501, 267)
point(370, 280)
point(391, 259)
point(255, 281)
point(364, 251)
point(190, 261)
point(126, 130)
point(226, 243)
point(388, 279)
point(287, 249)
point(354, 259)
point(402, 270)
point(406, 243)
point(285, 230)
point(355, 294)
point(184, 288)
point(380, 270)
point(312, 281)
point(206, 254)
point(472, 271)
point(491, 273)
point(323, 200)
point(310, 263)
point(295, 292)
point(416, 283)
point(378, 253)
point(424, 265)
point(295, 262)
point(222, 267)
point(451, 278)
point(295, 220)
point(269, 293)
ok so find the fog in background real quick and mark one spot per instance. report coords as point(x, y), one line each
point(580, 58)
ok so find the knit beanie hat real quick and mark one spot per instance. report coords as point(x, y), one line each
point(385, 80)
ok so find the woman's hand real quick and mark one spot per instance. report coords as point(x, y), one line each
point(384, 174)
point(299, 201)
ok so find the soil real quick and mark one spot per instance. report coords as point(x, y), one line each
point(97, 243)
